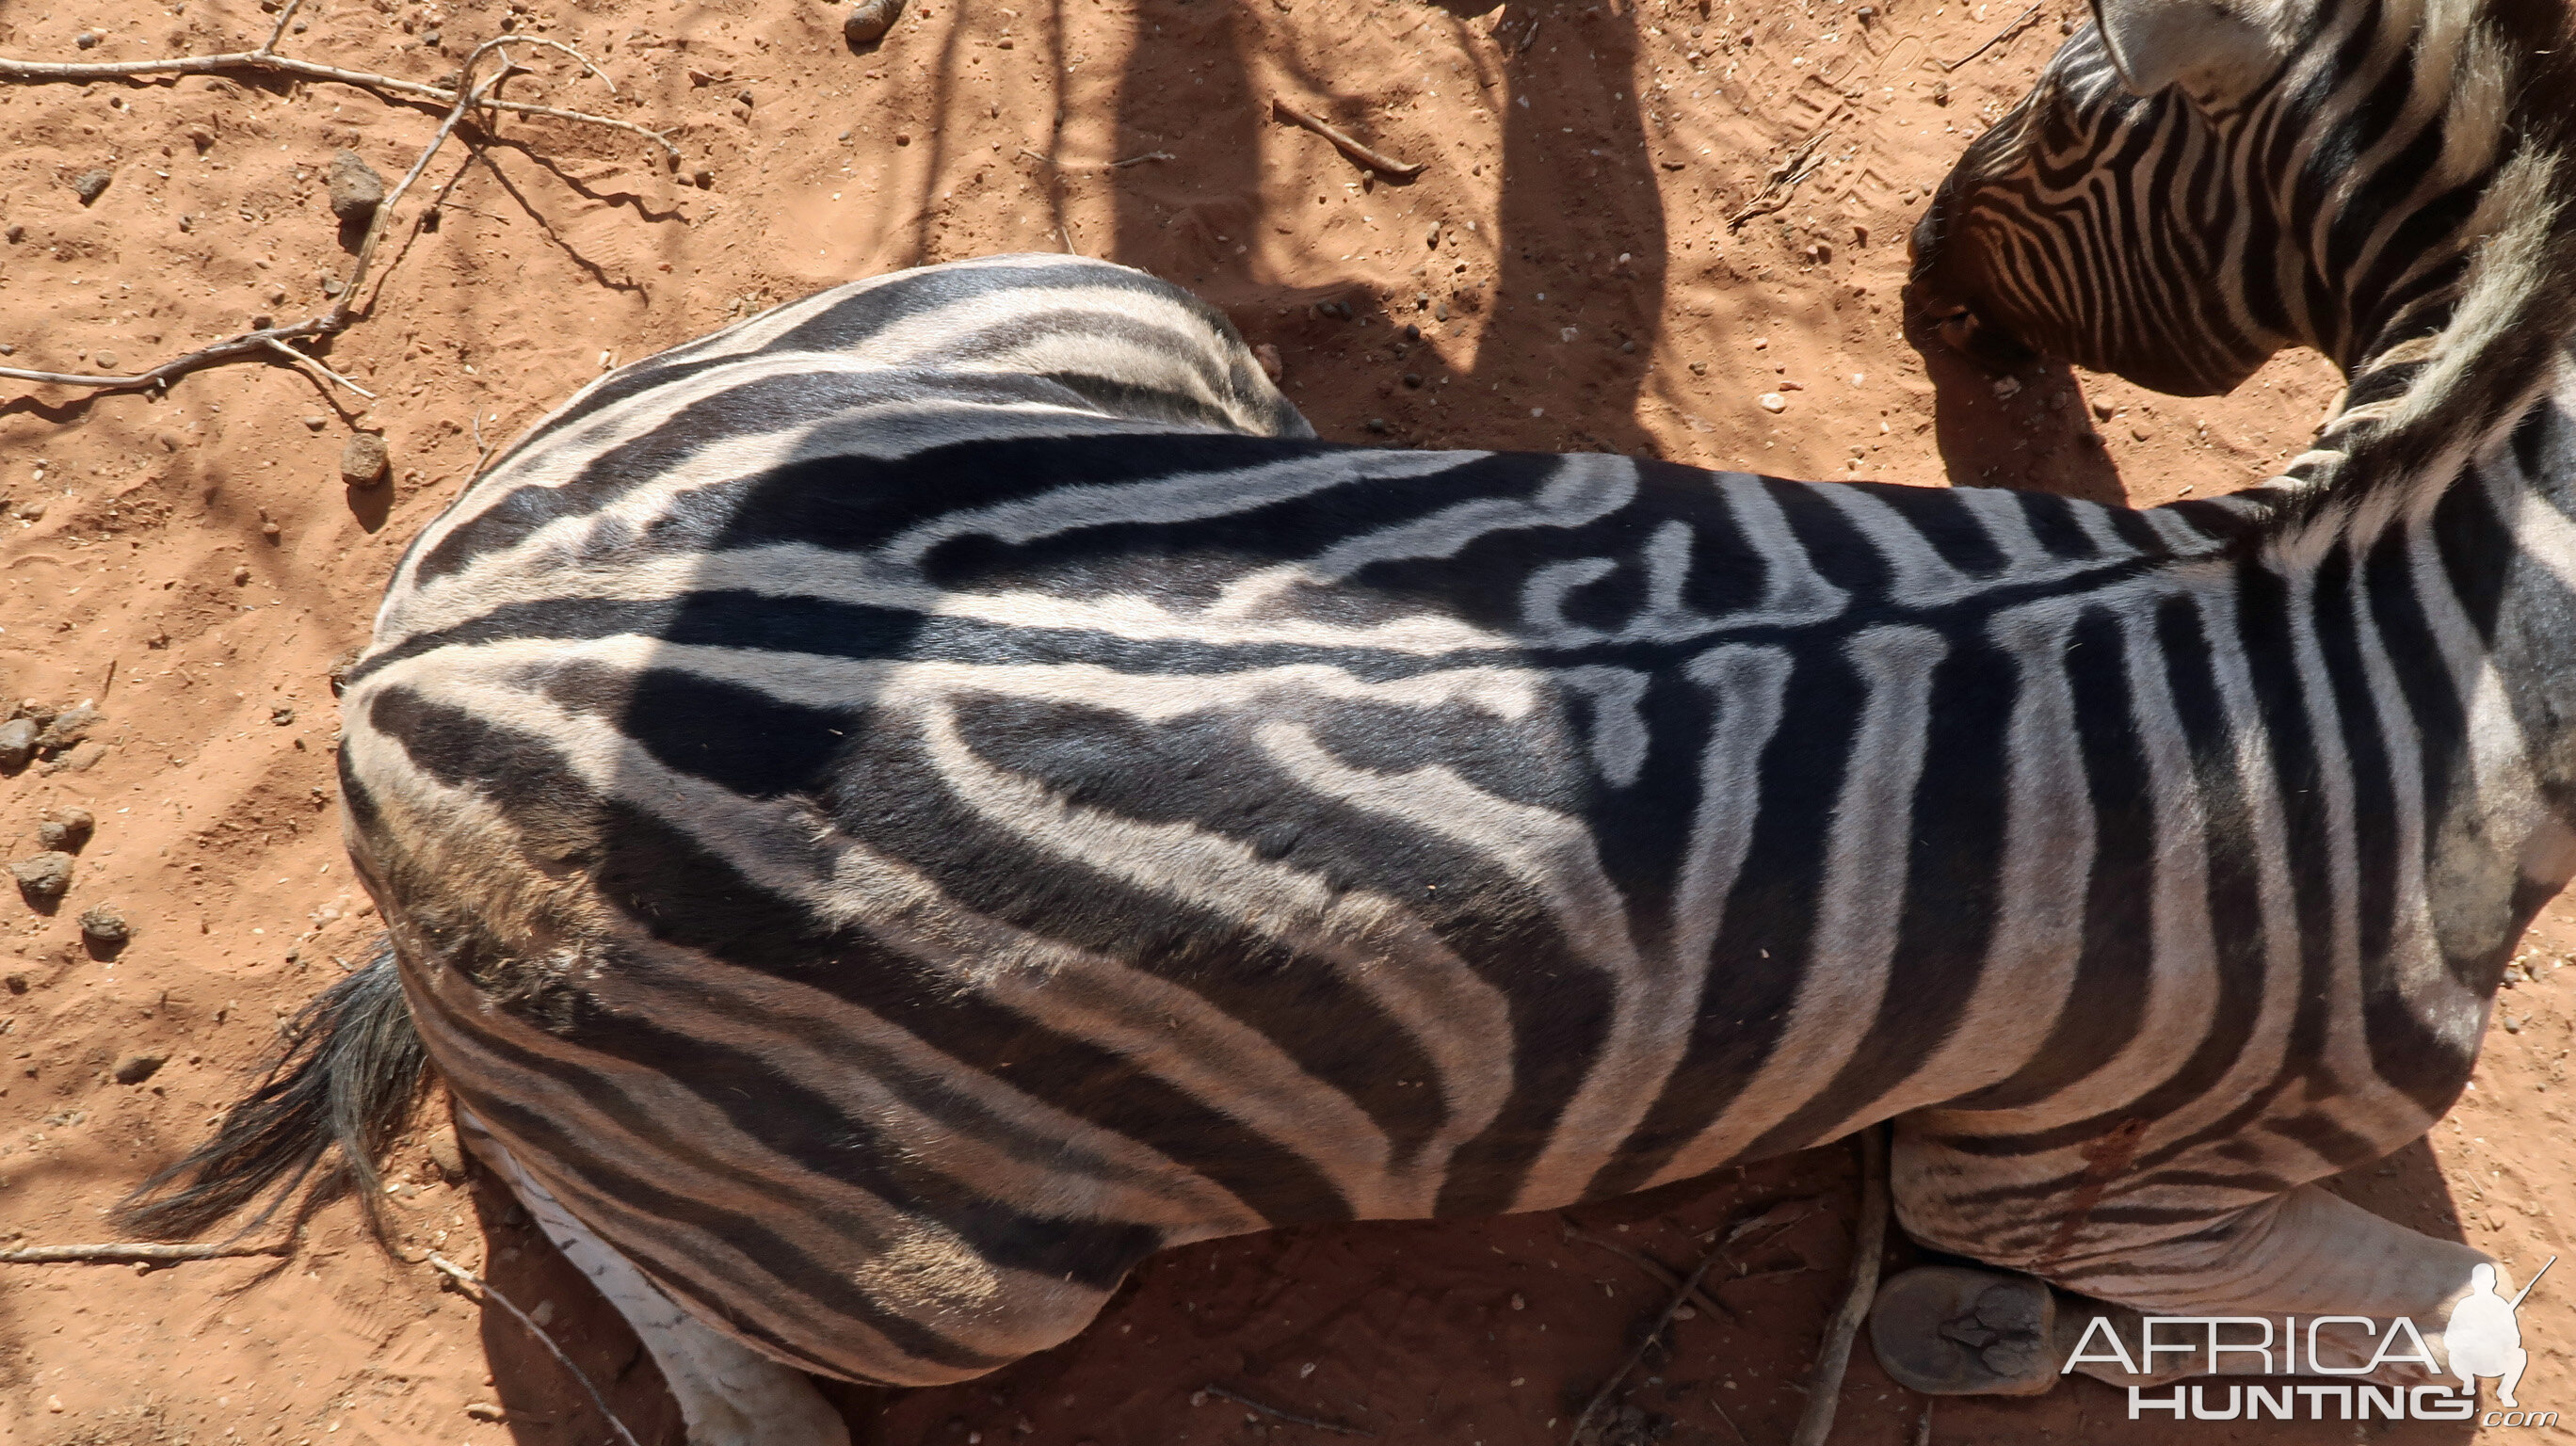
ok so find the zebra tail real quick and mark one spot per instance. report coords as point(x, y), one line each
point(348, 1077)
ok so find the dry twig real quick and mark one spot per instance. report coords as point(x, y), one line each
point(1825, 1383)
point(266, 60)
point(1140, 160)
point(1690, 1283)
point(466, 1277)
point(1387, 166)
point(1779, 1217)
point(272, 340)
point(132, 1252)
point(2000, 36)
point(1783, 181)
point(1664, 1275)
point(1267, 1410)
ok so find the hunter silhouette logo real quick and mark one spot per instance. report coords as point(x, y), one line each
point(2484, 1338)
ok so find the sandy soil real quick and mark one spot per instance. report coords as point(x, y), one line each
point(193, 564)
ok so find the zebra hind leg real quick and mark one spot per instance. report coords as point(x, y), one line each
point(729, 1394)
point(1948, 1330)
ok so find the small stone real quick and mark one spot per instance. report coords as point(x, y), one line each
point(70, 726)
point(902, 139)
point(744, 96)
point(14, 983)
point(869, 21)
point(2007, 386)
point(2102, 411)
point(1699, 369)
point(17, 744)
point(702, 178)
point(241, 577)
point(281, 715)
point(315, 424)
point(134, 1069)
point(45, 877)
point(201, 138)
point(90, 185)
point(1940, 92)
point(88, 39)
point(429, 38)
point(445, 1153)
point(363, 460)
point(333, 286)
point(485, 1411)
point(16, 233)
point(1377, 425)
point(105, 361)
point(1772, 402)
point(1413, 379)
point(105, 925)
point(66, 830)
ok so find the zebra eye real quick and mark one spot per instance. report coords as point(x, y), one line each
point(1958, 329)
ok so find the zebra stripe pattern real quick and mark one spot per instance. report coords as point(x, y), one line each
point(900, 809)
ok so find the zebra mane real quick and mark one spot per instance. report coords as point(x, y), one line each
point(2423, 409)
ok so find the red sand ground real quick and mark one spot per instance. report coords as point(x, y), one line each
point(194, 565)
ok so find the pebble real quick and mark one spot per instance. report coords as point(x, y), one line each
point(105, 360)
point(17, 744)
point(703, 178)
point(485, 1411)
point(870, 20)
point(14, 983)
point(445, 1153)
point(316, 424)
point(68, 727)
point(1413, 379)
point(134, 1069)
point(65, 830)
point(88, 39)
point(44, 877)
point(1773, 402)
point(90, 185)
point(2007, 386)
point(363, 460)
point(106, 926)
point(1377, 425)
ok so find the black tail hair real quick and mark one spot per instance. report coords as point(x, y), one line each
point(348, 1077)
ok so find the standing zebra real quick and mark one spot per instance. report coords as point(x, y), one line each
point(892, 813)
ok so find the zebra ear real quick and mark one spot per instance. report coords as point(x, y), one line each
point(2218, 51)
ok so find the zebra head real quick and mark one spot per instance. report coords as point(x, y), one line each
point(2195, 184)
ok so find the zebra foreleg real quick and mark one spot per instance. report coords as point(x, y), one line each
point(730, 1394)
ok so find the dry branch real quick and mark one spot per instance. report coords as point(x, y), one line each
point(130, 1252)
point(1783, 181)
point(272, 341)
point(1825, 1383)
point(265, 60)
point(1289, 1416)
point(465, 1277)
point(2008, 32)
point(1387, 166)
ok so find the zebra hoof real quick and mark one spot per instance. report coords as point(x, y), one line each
point(1945, 1330)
